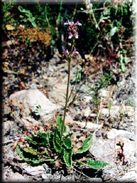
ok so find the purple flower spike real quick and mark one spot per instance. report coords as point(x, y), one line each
point(72, 28)
point(76, 35)
point(78, 23)
point(70, 35)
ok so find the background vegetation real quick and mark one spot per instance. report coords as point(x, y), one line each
point(107, 26)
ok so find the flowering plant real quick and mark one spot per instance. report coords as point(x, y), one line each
point(73, 34)
point(57, 145)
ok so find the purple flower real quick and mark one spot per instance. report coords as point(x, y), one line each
point(72, 28)
point(71, 23)
point(71, 53)
point(67, 23)
point(78, 23)
point(70, 35)
point(75, 51)
point(76, 35)
point(66, 51)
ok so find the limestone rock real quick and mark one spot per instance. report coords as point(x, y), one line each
point(113, 133)
point(87, 99)
point(116, 110)
point(58, 93)
point(32, 105)
point(7, 126)
point(18, 177)
point(103, 150)
point(87, 112)
point(89, 125)
point(34, 170)
point(104, 93)
point(106, 150)
point(128, 177)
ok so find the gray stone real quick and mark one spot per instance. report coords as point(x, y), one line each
point(94, 180)
point(18, 177)
point(87, 99)
point(58, 94)
point(104, 93)
point(89, 125)
point(69, 178)
point(7, 126)
point(34, 102)
point(113, 133)
point(46, 177)
point(103, 150)
point(56, 177)
point(128, 177)
point(116, 111)
point(110, 173)
point(33, 170)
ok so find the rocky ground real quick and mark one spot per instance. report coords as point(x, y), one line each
point(32, 80)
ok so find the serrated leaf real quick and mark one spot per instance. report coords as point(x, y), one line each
point(32, 160)
point(37, 140)
point(68, 157)
point(86, 145)
point(57, 141)
point(67, 142)
point(95, 164)
point(45, 136)
point(60, 124)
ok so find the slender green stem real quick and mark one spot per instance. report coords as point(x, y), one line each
point(67, 93)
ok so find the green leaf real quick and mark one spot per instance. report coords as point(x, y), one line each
point(121, 8)
point(68, 157)
point(60, 124)
point(122, 66)
point(126, 59)
point(35, 152)
point(37, 140)
point(86, 145)
point(45, 136)
point(57, 141)
point(32, 139)
point(31, 150)
point(67, 142)
point(23, 155)
point(96, 164)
